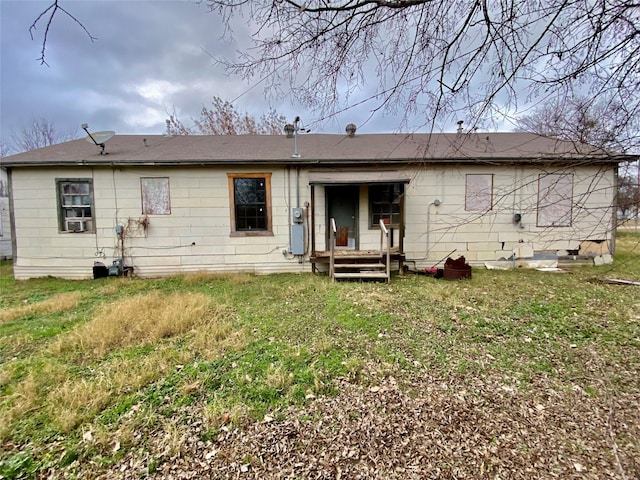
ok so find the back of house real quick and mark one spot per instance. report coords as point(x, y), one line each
point(161, 205)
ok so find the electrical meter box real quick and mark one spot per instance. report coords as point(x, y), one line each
point(297, 215)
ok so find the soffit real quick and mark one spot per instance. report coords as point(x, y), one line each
point(350, 177)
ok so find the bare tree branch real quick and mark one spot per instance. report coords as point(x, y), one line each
point(438, 57)
point(53, 8)
point(224, 119)
point(433, 59)
point(39, 133)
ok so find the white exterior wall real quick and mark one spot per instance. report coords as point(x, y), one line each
point(432, 232)
point(196, 235)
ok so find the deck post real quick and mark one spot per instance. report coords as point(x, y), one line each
point(313, 227)
point(384, 233)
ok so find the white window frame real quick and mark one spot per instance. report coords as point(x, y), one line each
point(76, 212)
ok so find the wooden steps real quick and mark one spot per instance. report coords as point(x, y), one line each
point(359, 267)
point(360, 276)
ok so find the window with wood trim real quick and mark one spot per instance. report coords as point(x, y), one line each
point(155, 195)
point(384, 204)
point(478, 192)
point(555, 200)
point(75, 205)
point(250, 199)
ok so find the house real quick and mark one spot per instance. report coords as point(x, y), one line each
point(161, 205)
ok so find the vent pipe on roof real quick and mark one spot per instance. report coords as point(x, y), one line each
point(351, 129)
point(292, 131)
point(460, 131)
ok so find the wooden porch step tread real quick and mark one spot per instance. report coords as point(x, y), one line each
point(359, 265)
point(356, 257)
point(360, 275)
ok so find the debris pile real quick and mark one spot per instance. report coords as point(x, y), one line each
point(456, 269)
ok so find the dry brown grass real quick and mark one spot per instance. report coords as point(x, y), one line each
point(58, 303)
point(69, 401)
point(202, 276)
point(278, 377)
point(75, 401)
point(132, 373)
point(219, 412)
point(139, 320)
point(28, 394)
point(71, 397)
point(211, 339)
point(116, 285)
point(108, 441)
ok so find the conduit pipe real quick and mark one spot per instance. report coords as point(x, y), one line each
point(435, 203)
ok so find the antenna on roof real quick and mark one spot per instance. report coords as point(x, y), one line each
point(99, 138)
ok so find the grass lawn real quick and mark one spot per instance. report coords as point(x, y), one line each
point(511, 374)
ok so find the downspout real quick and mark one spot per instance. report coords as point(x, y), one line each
point(289, 221)
point(313, 223)
point(12, 218)
point(297, 187)
point(300, 257)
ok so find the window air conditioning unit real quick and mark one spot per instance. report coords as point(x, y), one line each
point(75, 225)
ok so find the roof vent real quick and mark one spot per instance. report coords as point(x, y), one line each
point(460, 122)
point(289, 129)
point(351, 129)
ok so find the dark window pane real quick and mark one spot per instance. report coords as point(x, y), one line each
point(384, 203)
point(250, 196)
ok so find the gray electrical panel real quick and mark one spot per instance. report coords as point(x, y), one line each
point(297, 239)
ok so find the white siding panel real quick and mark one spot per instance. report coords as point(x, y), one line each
point(200, 214)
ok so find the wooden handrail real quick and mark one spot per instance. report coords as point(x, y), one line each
point(332, 242)
point(384, 233)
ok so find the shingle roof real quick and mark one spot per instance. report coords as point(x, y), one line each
point(317, 149)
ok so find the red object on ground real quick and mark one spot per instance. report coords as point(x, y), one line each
point(456, 269)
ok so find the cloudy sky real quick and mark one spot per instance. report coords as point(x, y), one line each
point(148, 58)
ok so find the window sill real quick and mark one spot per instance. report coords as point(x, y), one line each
point(252, 233)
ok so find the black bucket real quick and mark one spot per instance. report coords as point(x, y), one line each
point(100, 270)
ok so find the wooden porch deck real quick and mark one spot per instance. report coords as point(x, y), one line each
point(355, 257)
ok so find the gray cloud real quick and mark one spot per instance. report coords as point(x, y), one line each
point(148, 58)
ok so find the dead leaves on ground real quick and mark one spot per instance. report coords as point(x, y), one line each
point(422, 429)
